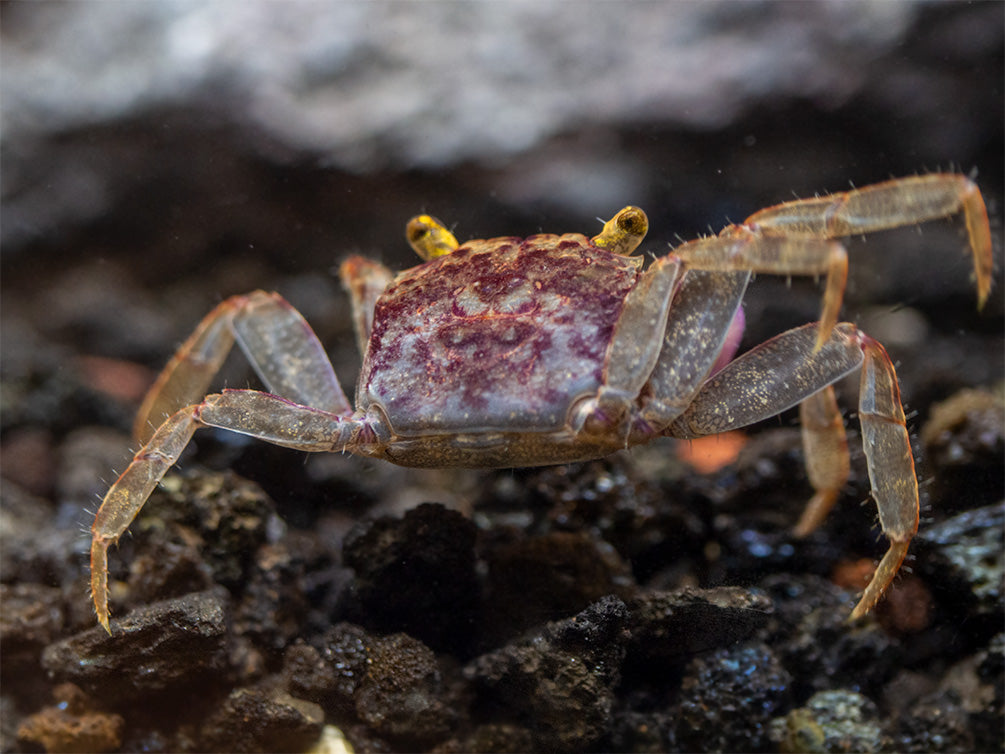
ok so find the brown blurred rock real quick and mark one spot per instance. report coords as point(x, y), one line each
point(72, 725)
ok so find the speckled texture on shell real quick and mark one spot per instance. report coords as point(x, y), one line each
point(499, 336)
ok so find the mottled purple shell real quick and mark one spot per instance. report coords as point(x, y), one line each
point(501, 335)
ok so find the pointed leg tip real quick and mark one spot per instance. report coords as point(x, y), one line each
point(982, 297)
point(882, 578)
point(860, 610)
point(801, 530)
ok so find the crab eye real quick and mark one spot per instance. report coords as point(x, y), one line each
point(429, 237)
point(623, 233)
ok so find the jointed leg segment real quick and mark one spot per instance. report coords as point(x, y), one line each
point(825, 448)
point(260, 415)
point(796, 238)
point(278, 342)
point(788, 370)
point(312, 413)
point(891, 204)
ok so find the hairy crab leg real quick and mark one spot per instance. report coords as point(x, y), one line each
point(261, 415)
point(825, 450)
point(890, 204)
point(769, 379)
point(364, 280)
point(891, 466)
point(787, 370)
point(187, 376)
point(278, 342)
point(744, 248)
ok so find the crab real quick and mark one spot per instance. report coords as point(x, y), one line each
point(558, 348)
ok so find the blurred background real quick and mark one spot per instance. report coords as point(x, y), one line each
point(160, 156)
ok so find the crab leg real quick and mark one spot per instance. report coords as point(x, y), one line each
point(787, 370)
point(891, 204)
point(741, 247)
point(825, 448)
point(364, 280)
point(769, 379)
point(891, 466)
point(278, 342)
point(703, 313)
point(260, 415)
point(630, 358)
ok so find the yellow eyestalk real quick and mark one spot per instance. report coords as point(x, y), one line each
point(429, 237)
point(623, 233)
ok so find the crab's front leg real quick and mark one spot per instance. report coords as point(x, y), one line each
point(787, 370)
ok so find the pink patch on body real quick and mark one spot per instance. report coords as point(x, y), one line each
point(732, 341)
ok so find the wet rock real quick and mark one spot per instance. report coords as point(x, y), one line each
point(829, 651)
point(168, 646)
point(553, 574)
point(491, 738)
point(72, 725)
point(963, 560)
point(202, 529)
point(232, 516)
point(163, 569)
point(755, 503)
point(559, 682)
point(401, 696)
point(651, 730)
point(33, 548)
point(393, 684)
point(329, 671)
point(811, 632)
point(935, 724)
point(416, 574)
point(254, 720)
point(32, 617)
point(831, 721)
point(272, 605)
point(963, 712)
point(796, 596)
point(672, 627)
point(617, 498)
point(988, 714)
point(728, 698)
